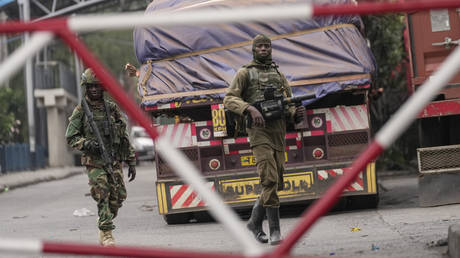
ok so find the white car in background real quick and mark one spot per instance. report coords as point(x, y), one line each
point(142, 143)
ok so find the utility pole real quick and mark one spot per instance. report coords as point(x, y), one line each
point(24, 7)
point(3, 45)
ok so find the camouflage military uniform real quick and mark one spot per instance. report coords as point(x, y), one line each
point(267, 138)
point(268, 143)
point(109, 192)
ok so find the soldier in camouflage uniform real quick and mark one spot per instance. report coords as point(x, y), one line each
point(108, 191)
point(267, 138)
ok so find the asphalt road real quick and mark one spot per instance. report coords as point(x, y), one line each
point(398, 228)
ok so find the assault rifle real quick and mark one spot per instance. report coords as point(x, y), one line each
point(273, 105)
point(93, 129)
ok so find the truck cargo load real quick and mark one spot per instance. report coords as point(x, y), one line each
point(320, 55)
point(185, 73)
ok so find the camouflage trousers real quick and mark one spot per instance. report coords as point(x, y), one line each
point(108, 192)
point(270, 167)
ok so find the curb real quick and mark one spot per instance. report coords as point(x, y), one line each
point(21, 179)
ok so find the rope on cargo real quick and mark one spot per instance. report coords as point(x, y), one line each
point(146, 77)
point(249, 42)
point(223, 90)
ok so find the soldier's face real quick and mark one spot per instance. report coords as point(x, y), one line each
point(263, 49)
point(94, 91)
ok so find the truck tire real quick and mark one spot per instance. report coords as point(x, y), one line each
point(359, 202)
point(178, 218)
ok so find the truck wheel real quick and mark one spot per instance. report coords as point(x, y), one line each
point(364, 201)
point(179, 218)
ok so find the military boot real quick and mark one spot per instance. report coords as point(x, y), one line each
point(106, 238)
point(273, 216)
point(255, 222)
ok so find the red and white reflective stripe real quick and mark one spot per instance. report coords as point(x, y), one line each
point(182, 196)
point(180, 135)
point(292, 147)
point(292, 135)
point(237, 140)
point(227, 152)
point(313, 133)
point(344, 118)
point(203, 123)
point(209, 143)
point(358, 185)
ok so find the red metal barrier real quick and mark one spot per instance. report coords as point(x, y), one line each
point(59, 27)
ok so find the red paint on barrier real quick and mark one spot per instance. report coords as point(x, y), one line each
point(109, 84)
point(383, 7)
point(124, 251)
point(325, 203)
point(441, 108)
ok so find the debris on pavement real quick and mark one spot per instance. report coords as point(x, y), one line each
point(375, 247)
point(83, 212)
point(440, 242)
point(355, 229)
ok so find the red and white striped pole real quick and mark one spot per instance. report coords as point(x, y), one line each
point(34, 247)
point(398, 123)
point(386, 137)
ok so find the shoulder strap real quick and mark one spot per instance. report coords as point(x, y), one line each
point(253, 75)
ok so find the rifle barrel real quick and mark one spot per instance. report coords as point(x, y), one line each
point(299, 98)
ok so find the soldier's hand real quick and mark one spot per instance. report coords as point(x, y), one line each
point(91, 146)
point(132, 70)
point(131, 173)
point(257, 118)
point(299, 114)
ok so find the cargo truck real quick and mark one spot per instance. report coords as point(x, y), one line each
point(183, 79)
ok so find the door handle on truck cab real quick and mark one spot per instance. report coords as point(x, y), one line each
point(448, 42)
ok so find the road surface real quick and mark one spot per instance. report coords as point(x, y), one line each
point(398, 228)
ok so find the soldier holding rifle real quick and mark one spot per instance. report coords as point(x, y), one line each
point(256, 87)
point(98, 130)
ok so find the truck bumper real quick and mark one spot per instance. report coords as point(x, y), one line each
point(240, 191)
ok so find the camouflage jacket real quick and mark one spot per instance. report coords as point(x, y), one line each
point(246, 90)
point(114, 134)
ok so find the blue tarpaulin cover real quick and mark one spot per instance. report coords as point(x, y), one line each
point(320, 55)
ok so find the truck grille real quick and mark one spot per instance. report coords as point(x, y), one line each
point(165, 171)
point(347, 144)
point(439, 159)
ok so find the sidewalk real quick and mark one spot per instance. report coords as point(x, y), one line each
point(23, 178)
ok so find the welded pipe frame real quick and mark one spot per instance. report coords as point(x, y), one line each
point(18, 58)
point(383, 139)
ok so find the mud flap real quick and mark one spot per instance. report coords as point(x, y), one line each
point(439, 188)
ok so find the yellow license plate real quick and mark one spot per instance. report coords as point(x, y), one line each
point(250, 160)
point(218, 120)
point(248, 189)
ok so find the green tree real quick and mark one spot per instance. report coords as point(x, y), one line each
point(12, 110)
point(386, 35)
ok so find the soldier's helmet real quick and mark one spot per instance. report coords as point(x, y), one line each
point(88, 77)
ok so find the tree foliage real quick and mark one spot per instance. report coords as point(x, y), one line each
point(12, 116)
point(386, 35)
